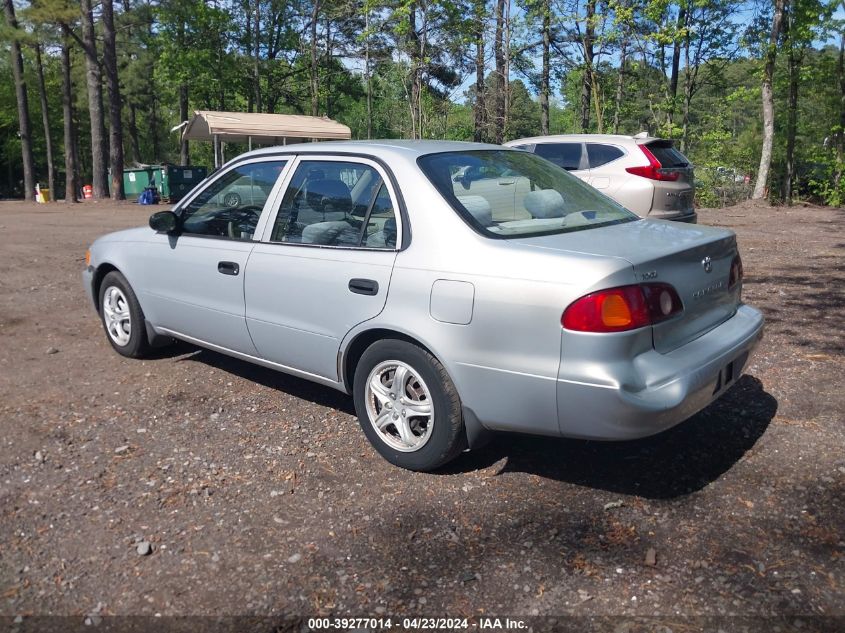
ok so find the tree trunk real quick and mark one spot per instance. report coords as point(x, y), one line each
point(768, 104)
point(676, 63)
point(23, 104)
point(545, 80)
point(499, 89)
point(620, 84)
point(315, 79)
point(479, 134)
point(134, 143)
point(257, 60)
point(115, 102)
point(45, 120)
point(184, 150)
point(71, 182)
point(792, 64)
point(587, 43)
point(840, 136)
point(367, 74)
point(95, 102)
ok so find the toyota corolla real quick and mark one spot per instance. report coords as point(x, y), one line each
point(447, 310)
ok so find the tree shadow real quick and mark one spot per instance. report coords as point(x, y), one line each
point(674, 463)
point(808, 295)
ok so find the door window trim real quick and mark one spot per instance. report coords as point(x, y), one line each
point(289, 159)
point(290, 170)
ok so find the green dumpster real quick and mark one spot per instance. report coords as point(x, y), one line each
point(136, 180)
point(174, 182)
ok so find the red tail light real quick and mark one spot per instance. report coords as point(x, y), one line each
point(623, 308)
point(736, 271)
point(654, 170)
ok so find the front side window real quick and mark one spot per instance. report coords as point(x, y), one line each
point(336, 203)
point(231, 205)
point(566, 155)
point(545, 200)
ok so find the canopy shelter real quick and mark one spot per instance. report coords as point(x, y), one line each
point(260, 128)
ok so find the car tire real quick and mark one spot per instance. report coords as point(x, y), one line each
point(122, 317)
point(232, 200)
point(405, 435)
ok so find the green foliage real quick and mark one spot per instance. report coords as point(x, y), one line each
point(226, 61)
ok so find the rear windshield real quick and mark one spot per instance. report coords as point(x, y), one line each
point(667, 154)
point(507, 193)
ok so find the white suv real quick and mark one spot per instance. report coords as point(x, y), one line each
point(644, 174)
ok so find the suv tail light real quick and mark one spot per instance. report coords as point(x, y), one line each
point(623, 308)
point(654, 170)
point(736, 271)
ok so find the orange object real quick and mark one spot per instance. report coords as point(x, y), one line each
point(87, 192)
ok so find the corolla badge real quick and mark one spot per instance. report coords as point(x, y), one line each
point(707, 263)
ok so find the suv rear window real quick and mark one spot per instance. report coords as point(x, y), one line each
point(667, 154)
point(600, 154)
point(566, 155)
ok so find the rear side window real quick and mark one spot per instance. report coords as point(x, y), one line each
point(566, 155)
point(600, 154)
point(667, 154)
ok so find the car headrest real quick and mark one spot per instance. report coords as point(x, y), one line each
point(544, 203)
point(389, 232)
point(479, 208)
point(329, 194)
point(332, 232)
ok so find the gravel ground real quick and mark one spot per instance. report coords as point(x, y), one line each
point(251, 492)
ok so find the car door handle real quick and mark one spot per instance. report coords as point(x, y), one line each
point(506, 182)
point(228, 268)
point(363, 286)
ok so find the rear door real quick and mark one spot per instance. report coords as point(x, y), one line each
point(324, 262)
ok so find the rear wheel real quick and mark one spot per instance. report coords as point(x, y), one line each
point(407, 406)
point(123, 319)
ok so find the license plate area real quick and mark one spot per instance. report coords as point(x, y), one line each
point(729, 373)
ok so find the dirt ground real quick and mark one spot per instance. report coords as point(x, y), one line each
point(259, 494)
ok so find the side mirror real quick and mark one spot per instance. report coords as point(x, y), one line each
point(164, 222)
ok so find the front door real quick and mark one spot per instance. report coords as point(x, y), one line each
point(324, 263)
point(194, 282)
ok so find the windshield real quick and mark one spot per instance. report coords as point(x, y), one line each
point(508, 193)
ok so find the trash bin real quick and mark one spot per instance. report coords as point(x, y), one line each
point(174, 182)
point(136, 180)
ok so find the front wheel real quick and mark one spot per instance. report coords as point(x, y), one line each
point(122, 316)
point(407, 406)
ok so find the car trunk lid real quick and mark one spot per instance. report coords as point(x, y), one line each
point(695, 260)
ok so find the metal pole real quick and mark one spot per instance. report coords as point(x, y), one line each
point(249, 143)
point(216, 150)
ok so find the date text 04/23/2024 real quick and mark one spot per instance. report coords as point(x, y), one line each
point(416, 624)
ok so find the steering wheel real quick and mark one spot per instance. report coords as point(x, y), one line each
point(247, 217)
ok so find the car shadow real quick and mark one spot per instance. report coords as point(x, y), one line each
point(291, 385)
point(674, 463)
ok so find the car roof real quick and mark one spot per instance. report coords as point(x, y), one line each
point(557, 138)
point(377, 148)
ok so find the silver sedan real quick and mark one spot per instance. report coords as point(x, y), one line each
point(446, 309)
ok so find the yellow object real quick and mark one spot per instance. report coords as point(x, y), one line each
point(615, 312)
point(87, 258)
point(45, 195)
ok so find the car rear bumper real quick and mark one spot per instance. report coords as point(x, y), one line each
point(629, 400)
